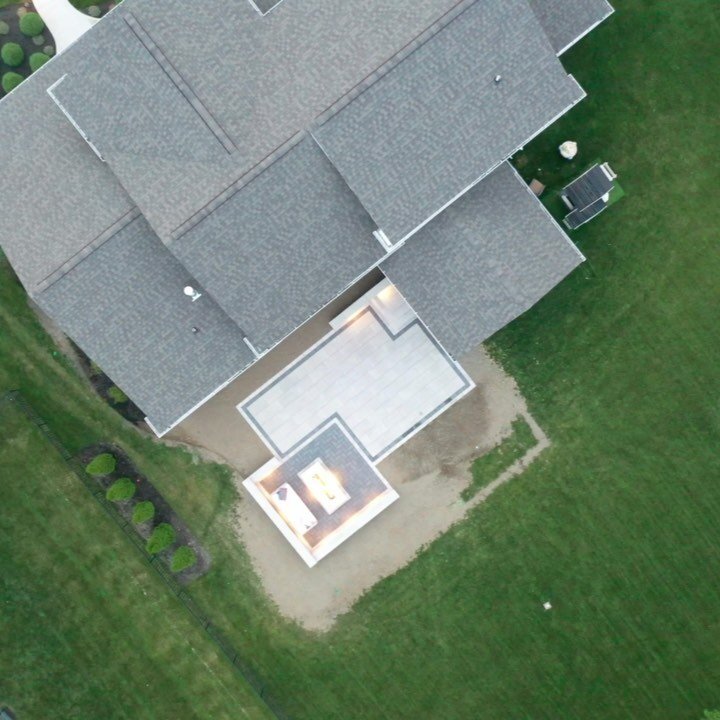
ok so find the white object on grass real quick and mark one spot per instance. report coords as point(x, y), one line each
point(569, 149)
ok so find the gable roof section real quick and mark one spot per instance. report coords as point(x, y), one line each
point(63, 199)
point(435, 124)
point(169, 121)
point(270, 77)
point(566, 21)
point(124, 306)
point(483, 262)
point(276, 250)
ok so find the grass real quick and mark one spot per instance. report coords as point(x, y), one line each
point(616, 523)
point(88, 629)
point(488, 467)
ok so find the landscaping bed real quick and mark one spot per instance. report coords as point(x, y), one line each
point(29, 42)
point(139, 503)
point(107, 389)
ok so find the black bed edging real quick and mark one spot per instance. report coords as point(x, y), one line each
point(164, 513)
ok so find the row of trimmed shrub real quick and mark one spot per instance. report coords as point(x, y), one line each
point(31, 25)
point(123, 490)
point(14, 56)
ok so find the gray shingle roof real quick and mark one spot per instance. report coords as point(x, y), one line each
point(436, 123)
point(59, 198)
point(485, 260)
point(278, 249)
point(263, 79)
point(566, 21)
point(181, 140)
point(124, 306)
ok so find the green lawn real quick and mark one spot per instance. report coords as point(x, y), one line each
point(616, 523)
point(88, 630)
point(490, 466)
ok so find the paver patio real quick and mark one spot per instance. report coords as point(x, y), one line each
point(381, 375)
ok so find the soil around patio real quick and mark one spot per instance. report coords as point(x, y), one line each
point(429, 472)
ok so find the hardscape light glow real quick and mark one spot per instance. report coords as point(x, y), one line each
point(328, 430)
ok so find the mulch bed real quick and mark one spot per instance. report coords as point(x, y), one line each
point(9, 15)
point(163, 511)
point(102, 383)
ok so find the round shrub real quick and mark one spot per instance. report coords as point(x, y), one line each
point(37, 60)
point(31, 24)
point(117, 396)
point(102, 464)
point(143, 512)
point(4, 28)
point(162, 537)
point(121, 490)
point(10, 80)
point(38, 40)
point(12, 54)
point(94, 11)
point(183, 558)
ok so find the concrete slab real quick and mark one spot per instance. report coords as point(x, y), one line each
point(382, 386)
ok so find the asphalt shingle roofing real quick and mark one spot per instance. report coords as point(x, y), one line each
point(264, 79)
point(272, 270)
point(485, 260)
point(458, 105)
point(124, 306)
point(565, 21)
point(209, 175)
point(60, 198)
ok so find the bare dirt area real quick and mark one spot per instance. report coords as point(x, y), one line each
point(429, 472)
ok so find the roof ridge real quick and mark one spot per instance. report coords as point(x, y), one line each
point(87, 250)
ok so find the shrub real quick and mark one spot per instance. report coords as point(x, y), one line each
point(4, 28)
point(117, 396)
point(10, 80)
point(37, 60)
point(12, 54)
point(143, 512)
point(102, 464)
point(121, 490)
point(31, 24)
point(162, 537)
point(183, 558)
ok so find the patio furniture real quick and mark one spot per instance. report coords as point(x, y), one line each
point(293, 510)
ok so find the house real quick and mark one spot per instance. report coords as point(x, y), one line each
point(202, 186)
point(588, 195)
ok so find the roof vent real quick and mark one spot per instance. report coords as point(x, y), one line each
point(192, 293)
point(498, 79)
